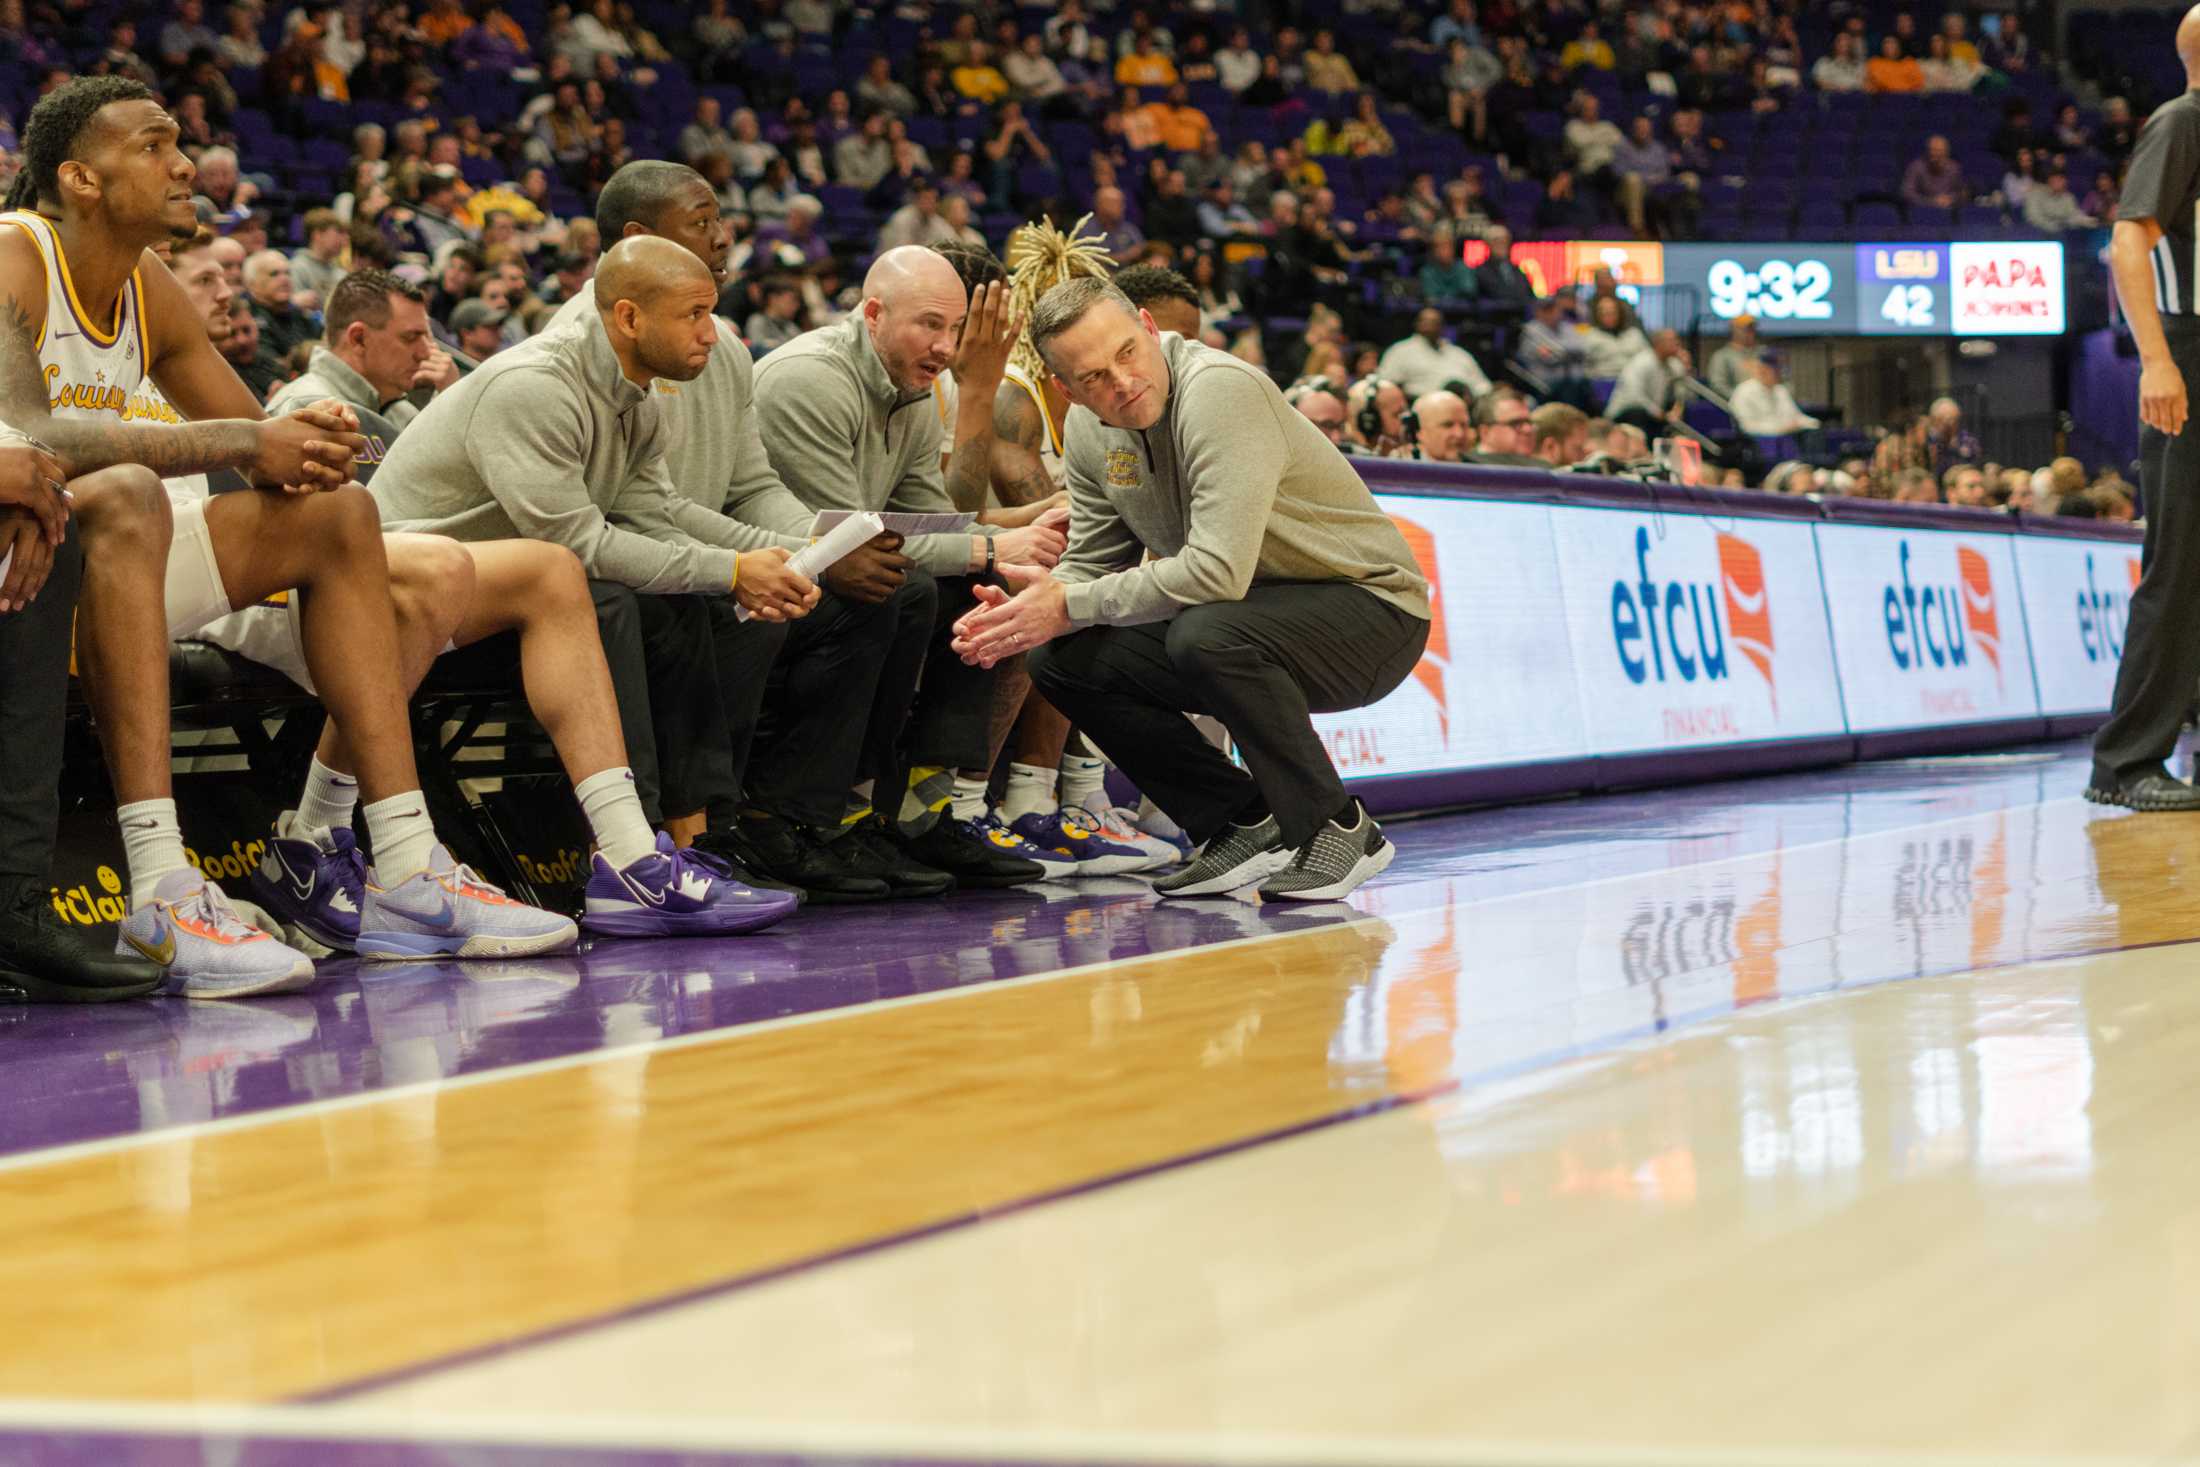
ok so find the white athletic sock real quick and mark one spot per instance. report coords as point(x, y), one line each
point(968, 801)
point(1030, 792)
point(152, 843)
point(327, 802)
point(402, 836)
point(614, 813)
point(1155, 821)
point(1084, 782)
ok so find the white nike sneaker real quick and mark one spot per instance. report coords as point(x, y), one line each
point(190, 929)
point(448, 911)
point(1121, 825)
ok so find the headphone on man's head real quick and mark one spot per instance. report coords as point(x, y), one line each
point(1306, 387)
point(1368, 417)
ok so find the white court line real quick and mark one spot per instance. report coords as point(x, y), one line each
point(109, 1145)
point(1236, 1449)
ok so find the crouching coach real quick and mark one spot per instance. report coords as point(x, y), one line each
point(1276, 589)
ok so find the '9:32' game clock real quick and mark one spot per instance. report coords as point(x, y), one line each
point(1773, 286)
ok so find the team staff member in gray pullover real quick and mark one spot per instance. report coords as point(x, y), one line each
point(1277, 589)
point(848, 422)
point(559, 439)
point(821, 686)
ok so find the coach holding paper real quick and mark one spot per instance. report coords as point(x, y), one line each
point(2152, 257)
point(1276, 589)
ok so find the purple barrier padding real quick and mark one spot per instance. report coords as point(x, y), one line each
point(2070, 527)
point(1894, 742)
point(1397, 794)
point(1921, 516)
point(1684, 766)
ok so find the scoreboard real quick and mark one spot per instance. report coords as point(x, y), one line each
point(1957, 288)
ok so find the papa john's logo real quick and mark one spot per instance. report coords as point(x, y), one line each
point(1679, 629)
point(1435, 661)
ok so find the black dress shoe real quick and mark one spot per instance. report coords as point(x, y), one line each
point(2153, 791)
point(44, 960)
point(977, 853)
point(727, 854)
point(784, 851)
point(870, 852)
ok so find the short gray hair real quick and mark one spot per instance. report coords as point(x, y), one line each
point(1065, 305)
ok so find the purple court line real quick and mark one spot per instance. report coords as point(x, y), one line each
point(1382, 1106)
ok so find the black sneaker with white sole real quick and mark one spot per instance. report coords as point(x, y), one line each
point(1238, 856)
point(2155, 791)
point(1333, 863)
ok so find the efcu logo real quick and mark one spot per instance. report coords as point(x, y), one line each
point(1979, 616)
point(1435, 660)
point(1748, 608)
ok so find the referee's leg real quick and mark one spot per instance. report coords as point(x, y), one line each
point(2160, 671)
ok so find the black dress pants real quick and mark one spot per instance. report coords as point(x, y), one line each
point(1262, 666)
point(34, 697)
point(823, 724)
point(2155, 681)
point(664, 673)
point(747, 652)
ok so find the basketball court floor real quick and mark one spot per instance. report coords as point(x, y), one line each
point(1847, 1117)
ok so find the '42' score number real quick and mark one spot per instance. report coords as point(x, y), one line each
point(1909, 306)
point(1777, 290)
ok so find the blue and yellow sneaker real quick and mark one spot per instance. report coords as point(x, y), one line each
point(204, 948)
point(1077, 835)
point(448, 911)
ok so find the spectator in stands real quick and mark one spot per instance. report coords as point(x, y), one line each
point(1035, 76)
point(961, 178)
point(1426, 362)
point(2118, 132)
point(1171, 215)
point(1591, 139)
point(1945, 440)
point(1916, 486)
point(240, 48)
point(1562, 213)
point(1762, 405)
point(1501, 281)
point(1504, 433)
point(1222, 217)
point(462, 265)
point(1118, 236)
point(1935, 179)
point(1444, 276)
point(1328, 69)
point(478, 325)
point(282, 326)
point(2010, 49)
point(377, 354)
point(1964, 484)
point(1731, 365)
point(220, 184)
point(1237, 65)
point(1551, 351)
point(1301, 256)
point(1589, 49)
point(1944, 69)
point(1182, 127)
point(1364, 134)
point(260, 370)
point(1443, 433)
point(1145, 64)
point(978, 78)
point(705, 133)
point(779, 321)
point(1014, 148)
point(864, 157)
point(1375, 419)
point(2050, 209)
point(2016, 133)
point(315, 269)
point(1644, 165)
point(1649, 393)
point(770, 196)
point(435, 219)
point(185, 33)
point(2100, 202)
point(749, 150)
point(917, 222)
point(2017, 184)
point(1561, 434)
point(878, 91)
point(1893, 69)
point(1842, 68)
point(1317, 402)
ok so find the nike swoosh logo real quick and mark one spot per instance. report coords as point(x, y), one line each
point(641, 892)
point(443, 918)
point(162, 953)
point(301, 886)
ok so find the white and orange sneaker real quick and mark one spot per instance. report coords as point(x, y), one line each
point(206, 949)
point(448, 911)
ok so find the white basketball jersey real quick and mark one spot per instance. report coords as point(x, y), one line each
point(94, 370)
point(93, 359)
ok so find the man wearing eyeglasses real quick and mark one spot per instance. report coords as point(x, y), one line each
point(1507, 436)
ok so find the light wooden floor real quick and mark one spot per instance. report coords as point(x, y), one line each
point(1781, 1207)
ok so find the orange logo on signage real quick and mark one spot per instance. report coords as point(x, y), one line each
point(1979, 617)
point(1436, 657)
point(1748, 607)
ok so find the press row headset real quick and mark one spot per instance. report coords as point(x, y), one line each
point(1366, 416)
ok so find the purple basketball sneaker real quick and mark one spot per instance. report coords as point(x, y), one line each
point(676, 893)
point(315, 881)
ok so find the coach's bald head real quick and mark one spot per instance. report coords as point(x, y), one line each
point(913, 306)
point(2188, 42)
point(656, 300)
